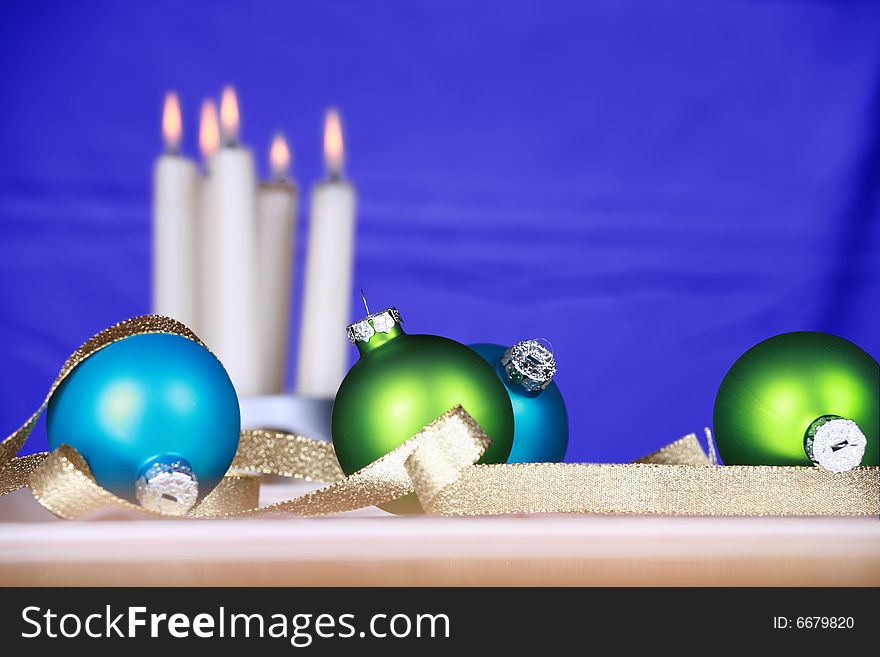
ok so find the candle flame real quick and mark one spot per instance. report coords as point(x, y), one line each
point(172, 129)
point(334, 149)
point(279, 156)
point(229, 118)
point(209, 130)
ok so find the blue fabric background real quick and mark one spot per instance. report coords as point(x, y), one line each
point(654, 187)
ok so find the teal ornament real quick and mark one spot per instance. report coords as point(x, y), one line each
point(540, 432)
point(155, 416)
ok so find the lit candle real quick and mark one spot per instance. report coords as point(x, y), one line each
point(229, 322)
point(323, 349)
point(277, 202)
point(209, 144)
point(175, 213)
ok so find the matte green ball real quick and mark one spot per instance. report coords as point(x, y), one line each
point(773, 393)
point(403, 384)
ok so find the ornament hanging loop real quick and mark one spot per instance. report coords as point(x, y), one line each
point(545, 342)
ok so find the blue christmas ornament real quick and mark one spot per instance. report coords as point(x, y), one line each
point(540, 420)
point(154, 415)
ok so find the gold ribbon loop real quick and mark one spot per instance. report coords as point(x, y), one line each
point(236, 493)
point(448, 447)
point(385, 479)
point(14, 474)
point(287, 455)
point(684, 451)
point(64, 485)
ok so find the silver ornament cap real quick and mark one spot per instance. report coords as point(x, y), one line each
point(379, 322)
point(835, 444)
point(530, 364)
point(168, 485)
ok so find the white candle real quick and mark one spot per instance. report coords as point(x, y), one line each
point(175, 215)
point(209, 144)
point(277, 202)
point(323, 348)
point(229, 249)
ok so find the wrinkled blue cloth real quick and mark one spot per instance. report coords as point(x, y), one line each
point(653, 187)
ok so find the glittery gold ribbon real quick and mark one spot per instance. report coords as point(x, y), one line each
point(438, 464)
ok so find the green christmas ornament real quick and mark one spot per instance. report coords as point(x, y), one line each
point(799, 399)
point(403, 382)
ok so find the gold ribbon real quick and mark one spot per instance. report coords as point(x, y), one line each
point(438, 464)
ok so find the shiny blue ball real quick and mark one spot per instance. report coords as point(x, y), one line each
point(540, 431)
point(146, 398)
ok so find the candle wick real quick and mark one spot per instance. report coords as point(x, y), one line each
point(364, 297)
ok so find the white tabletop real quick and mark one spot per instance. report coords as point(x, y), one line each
point(370, 547)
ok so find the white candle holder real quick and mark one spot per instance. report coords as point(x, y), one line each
point(307, 416)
